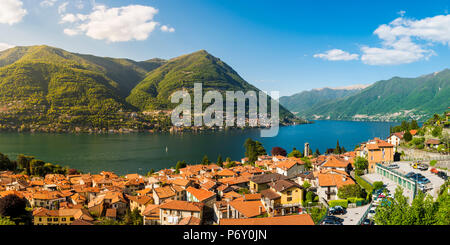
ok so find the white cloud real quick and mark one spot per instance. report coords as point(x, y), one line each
point(133, 22)
point(403, 41)
point(11, 11)
point(48, 3)
point(337, 54)
point(62, 8)
point(165, 28)
point(5, 46)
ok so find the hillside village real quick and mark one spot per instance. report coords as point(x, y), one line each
point(273, 191)
point(296, 188)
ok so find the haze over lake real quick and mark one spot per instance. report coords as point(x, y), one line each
point(131, 153)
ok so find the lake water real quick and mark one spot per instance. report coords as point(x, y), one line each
point(131, 153)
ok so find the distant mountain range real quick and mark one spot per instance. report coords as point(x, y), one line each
point(388, 100)
point(42, 85)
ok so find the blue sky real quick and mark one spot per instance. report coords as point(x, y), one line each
point(288, 46)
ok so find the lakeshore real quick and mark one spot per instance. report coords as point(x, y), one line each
point(138, 152)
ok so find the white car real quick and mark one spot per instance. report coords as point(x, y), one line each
point(371, 213)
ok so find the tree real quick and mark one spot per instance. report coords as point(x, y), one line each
point(337, 150)
point(278, 151)
point(219, 161)
point(407, 136)
point(306, 185)
point(437, 131)
point(414, 125)
point(347, 191)
point(23, 162)
point(308, 164)
point(309, 196)
point(295, 153)
point(133, 217)
point(378, 185)
point(6, 221)
point(205, 160)
point(13, 206)
point(361, 164)
point(253, 149)
point(152, 171)
point(6, 164)
point(316, 153)
point(228, 160)
point(180, 165)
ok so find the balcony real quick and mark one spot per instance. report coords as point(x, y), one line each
point(332, 192)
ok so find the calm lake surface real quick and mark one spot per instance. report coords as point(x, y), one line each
point(131, 153)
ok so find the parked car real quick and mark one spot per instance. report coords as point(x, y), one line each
point(393, 166)
point(334, 218)
point(371, 213)
point(410, 174)
point(442, 175)
point(434, 171)
point(330, 222)
point(423, 167)
point(367, 222)
point(337, 210)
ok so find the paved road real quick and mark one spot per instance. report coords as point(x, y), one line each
point(353, 215)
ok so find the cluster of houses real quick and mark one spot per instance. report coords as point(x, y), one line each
point(269, 192)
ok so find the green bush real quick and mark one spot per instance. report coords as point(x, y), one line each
point(364, 184)
point(342, 203)
point(433, 162)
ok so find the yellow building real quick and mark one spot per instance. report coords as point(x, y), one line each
point(283, 196)
point(42, 216)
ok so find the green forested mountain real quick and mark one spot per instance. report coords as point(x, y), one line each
point(302, 102)
point(46, 88)
point(394, 99)
point(181, 73)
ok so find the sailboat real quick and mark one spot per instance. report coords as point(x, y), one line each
point(167, 149)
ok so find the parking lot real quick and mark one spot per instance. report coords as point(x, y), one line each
point(404, 168)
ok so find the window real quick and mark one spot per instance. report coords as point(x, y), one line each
point(55, 219)
point(40, 219)
point(63, 219)
point(289, 193)
point(71, 218)
point(289, 199)
point(49, 219)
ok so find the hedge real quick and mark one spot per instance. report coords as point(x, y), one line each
point(364, 184)
point(358, 201)
point(342, 203)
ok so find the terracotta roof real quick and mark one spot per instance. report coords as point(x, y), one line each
point(182, 205)
point(335, 162)
point(76, 213)
point(413, 132)
point(225, 172)
point(200, 194)
point(266, 178)
point(151, 210)
point(190, 220)
point(164, 192)
point(142, 200)
point(301, 219)
point(248, 208)
point(334, 179)
point(283, 184)
point(270, 194)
